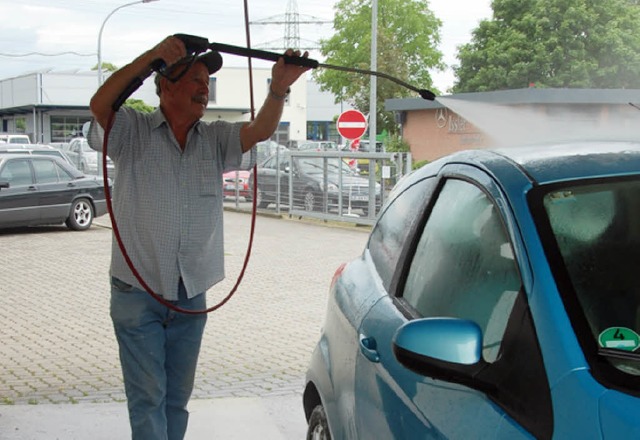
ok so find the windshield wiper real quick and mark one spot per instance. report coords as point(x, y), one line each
point(618, 354)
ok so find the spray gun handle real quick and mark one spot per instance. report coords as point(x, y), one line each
point(193, 45)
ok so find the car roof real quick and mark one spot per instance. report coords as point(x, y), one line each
point(59, 159)
point(554, 162)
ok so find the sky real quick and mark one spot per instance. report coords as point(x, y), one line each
point(63, 35)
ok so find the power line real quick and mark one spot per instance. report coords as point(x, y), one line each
point(28, 54)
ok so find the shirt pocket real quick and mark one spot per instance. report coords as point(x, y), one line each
point(210, 179)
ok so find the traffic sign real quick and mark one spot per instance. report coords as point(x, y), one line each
point(351, 124)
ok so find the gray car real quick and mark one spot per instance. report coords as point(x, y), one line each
point(42, 190)
point(85, 158)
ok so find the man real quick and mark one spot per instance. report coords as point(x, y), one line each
point(168, 206)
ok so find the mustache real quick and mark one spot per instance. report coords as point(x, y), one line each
point(200, 99)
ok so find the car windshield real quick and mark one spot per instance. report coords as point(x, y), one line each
point(597, 231)
point(86, 147)
point(315, 165)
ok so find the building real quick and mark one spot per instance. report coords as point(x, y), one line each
point(53, 106)
point(514, 117)
point(322, 114)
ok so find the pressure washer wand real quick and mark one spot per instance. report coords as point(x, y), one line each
point(314, 64)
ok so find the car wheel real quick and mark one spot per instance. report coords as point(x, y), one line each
point(318, 425)
point(309, 201)
point(261, 202)
point(81, 215)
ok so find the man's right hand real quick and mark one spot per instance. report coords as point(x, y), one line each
point(170, 50)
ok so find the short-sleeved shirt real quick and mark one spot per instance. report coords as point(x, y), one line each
point(168, 202)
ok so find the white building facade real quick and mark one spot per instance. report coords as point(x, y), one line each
point(53, 106)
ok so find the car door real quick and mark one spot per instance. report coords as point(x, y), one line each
point(460, 264)
point(18, 202)
point(56, 189)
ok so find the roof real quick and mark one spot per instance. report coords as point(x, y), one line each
point(548, 163)
point(523, 96)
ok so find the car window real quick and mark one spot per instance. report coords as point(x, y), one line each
point(17, 172)
point(596, 229)
point(48, 171)
point(393, 227)
point(464, 266)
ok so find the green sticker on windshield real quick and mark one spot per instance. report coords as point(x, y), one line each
point(620, 338)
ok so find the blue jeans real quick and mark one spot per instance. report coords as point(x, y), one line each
point(158, 353)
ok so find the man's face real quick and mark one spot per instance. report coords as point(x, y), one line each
point(190, 94)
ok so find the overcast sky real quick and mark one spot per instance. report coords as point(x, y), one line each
point(35, 32)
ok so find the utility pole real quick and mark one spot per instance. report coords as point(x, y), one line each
point(374, 83)
point(291, 21)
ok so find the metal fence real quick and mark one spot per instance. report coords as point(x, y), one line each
point(343, 186)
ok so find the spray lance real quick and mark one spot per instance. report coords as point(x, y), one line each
point(195, 46)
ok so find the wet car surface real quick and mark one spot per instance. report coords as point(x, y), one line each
point(496, 298)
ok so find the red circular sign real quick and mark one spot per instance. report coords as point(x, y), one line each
point(351, 124)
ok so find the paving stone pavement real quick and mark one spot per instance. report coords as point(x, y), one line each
point(57, 340)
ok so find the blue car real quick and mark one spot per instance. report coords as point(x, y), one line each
point(498, 297)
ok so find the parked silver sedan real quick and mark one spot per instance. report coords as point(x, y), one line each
point(41, 190)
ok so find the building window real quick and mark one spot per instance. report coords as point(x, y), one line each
point(212, 89)
point(65, 128)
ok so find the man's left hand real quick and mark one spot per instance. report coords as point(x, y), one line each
point(283, 75)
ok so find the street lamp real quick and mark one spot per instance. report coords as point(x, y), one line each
point(100, 34)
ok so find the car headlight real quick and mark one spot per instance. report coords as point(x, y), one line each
point(332, 187)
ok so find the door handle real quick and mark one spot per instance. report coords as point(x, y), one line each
point(369, 348)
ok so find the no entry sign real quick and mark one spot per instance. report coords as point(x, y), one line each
point(351, 124)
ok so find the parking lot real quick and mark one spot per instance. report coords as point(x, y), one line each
point(57, 341)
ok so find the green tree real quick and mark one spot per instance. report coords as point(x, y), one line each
point(553, 43)
point(408, 35)
point(136, 104)
point(139, 104)
point(109, 67)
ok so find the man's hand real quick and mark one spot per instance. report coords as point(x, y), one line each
point(283, 75)
point(170, 50)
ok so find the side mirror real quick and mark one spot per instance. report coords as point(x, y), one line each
point(447, 349)
point(4, 184)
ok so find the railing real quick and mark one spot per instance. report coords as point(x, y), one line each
point(323, 185)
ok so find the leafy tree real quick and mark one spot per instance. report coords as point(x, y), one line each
point(408, 34)
point(136, 104)
point(109, 67)
point(139, 104)
point(553, 43)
